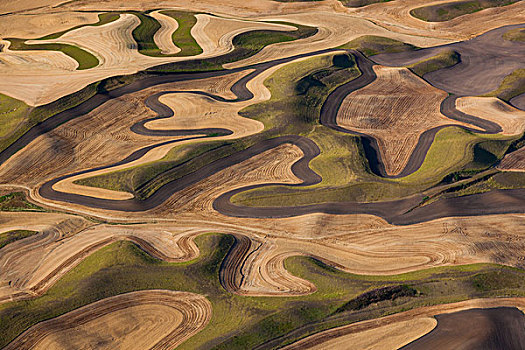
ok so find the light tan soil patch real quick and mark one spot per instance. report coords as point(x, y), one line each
point(395, 109)
point(29, 268)
point(334, 30)
point(7, 6)
point(163, 37)
point(36, 25)
point(391, 336)
point(114, 46)
point(362, 329)
point(150, 319)
point(511, 120)
point(395, 16)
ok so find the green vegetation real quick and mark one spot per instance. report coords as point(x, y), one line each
point(143, 34)
point(378, 295)
point(85, 59)
point(448, 11)
point(293, 108)
point(103, 18)
point(182, 36)
point(137, 179)
point(123, 267)
point(17, 201)
point(370, 45)
point(31, 116)
point(13, 112)
point(360, 3)
point(298, 91)
point(444, 59)
point(246, 45)
point(13, 236)
point(513, 85)
point(516, 34)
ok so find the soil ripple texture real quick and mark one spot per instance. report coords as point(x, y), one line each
point(334, 101)
point(102, 97)
point(169, 318)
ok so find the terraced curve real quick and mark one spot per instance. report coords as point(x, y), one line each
point(152, 319)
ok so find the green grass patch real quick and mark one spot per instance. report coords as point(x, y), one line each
point(135, 179)
point(512, 85)
point(246, 45)
point(103, 18)
point(13, 236)
point(143, 34)
point(448, 11)
point(444, 59)
point(13, 113)
point(123, 267)
point(516, 34)
point(371, 45)
point(85, 59)
point(31, 116)
point(182, 36)
point(17, 201)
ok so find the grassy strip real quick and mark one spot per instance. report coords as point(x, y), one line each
point(85, 59)
point(517, 34)
point(103, 18)
point(35, 115)
point(25, 120)
point(448, 11)
point(371, 45)
point(143, 34)
point(182, 36)
point(513, 85)
point(134, 178)
point(13, 236)
point(360, 3)
point(293, 108)
point(17, 201)
point(13, 113)
point(246, 45)
point(122, 267)
point(444, 59)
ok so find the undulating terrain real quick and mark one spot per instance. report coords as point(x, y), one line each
point(262, 174)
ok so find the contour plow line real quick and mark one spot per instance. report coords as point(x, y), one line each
point(149, 319)
point(376, 329)
point(31, 266)
point(252, 267)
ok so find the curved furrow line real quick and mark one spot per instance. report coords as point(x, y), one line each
point(37, 281)
point(192, 312)
point(333, 103)
point(255, 268)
